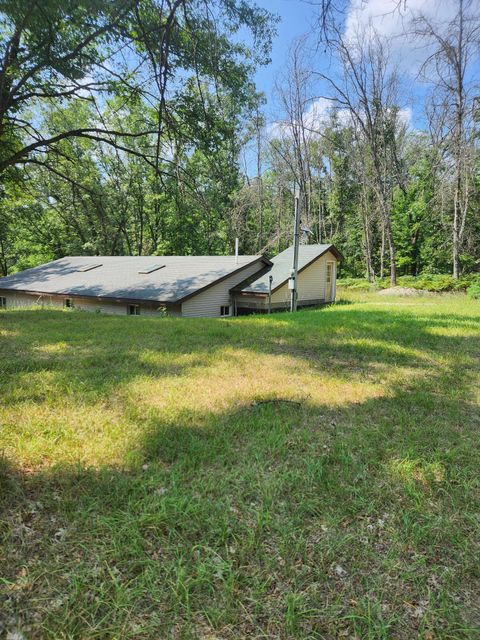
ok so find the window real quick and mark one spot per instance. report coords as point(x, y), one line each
point(133, 310)
point(329, 272)
point(224, 311)
point(3, 303)
point(68, 303)
point(330, 282)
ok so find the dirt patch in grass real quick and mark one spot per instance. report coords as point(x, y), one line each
point(404, 292)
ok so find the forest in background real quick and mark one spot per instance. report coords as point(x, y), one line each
point(134, 127)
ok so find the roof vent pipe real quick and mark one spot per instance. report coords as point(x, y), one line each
point(236, 250)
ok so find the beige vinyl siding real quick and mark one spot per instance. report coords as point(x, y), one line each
point(206, 304)
point(311, 283)
point(281, 296)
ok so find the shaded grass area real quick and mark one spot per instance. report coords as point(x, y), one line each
point(307, 476)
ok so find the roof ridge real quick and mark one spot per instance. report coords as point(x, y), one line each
point(159, 257)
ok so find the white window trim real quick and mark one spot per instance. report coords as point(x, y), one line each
point(333, 279)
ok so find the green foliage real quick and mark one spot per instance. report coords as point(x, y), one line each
point(359, 284)
point(169, 176)
point(59, 50)
point(438, 283)
point(473, 290)
point(163, 179)
point(344, 201)
point(435, 282)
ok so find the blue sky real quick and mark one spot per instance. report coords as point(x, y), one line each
point(387, 16)
point(296, 19)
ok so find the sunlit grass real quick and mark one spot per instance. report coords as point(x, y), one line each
point(306, 476)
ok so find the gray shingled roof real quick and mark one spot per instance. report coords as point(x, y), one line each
point(282, 267)
point(119, 277)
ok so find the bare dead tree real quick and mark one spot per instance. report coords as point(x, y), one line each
point(295, 131)
point(258, 126)
point(454, 47)
point(367, 90)
point(365, 205)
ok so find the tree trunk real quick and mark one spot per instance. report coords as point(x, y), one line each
point(459, 148)
point(456, 237)
point(393, 256)
point(3, 260)
point(382, 252)
point(367, 239)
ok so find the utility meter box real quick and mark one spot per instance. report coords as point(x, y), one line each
point(291, 283)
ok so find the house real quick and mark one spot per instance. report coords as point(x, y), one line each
point(192, 286)
point(316, 281)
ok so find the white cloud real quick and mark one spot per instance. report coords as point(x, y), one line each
point(277, 129)
point(405, 115)
point(391, 17)
point(391, 20)
point(318, 113)
point(317, 116)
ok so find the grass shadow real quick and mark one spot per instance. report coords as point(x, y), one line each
point(353, 511)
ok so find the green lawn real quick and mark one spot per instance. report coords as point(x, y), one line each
point(294, 476)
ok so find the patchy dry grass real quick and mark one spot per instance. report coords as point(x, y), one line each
point(307, 476)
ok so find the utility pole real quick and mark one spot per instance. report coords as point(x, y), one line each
point(292, 283)
point(270, 280)
point(320, 215)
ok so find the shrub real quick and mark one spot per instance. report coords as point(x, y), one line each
point(359, 284)
point(443, 282)
point(437, 282)
point(473, 291)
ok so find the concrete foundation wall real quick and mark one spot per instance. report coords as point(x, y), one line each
point(24, 300)
point(261, 306)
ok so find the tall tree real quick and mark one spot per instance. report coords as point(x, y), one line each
point(455, 46)
point(368, 91)
point(61, 50)
point(295, 130)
